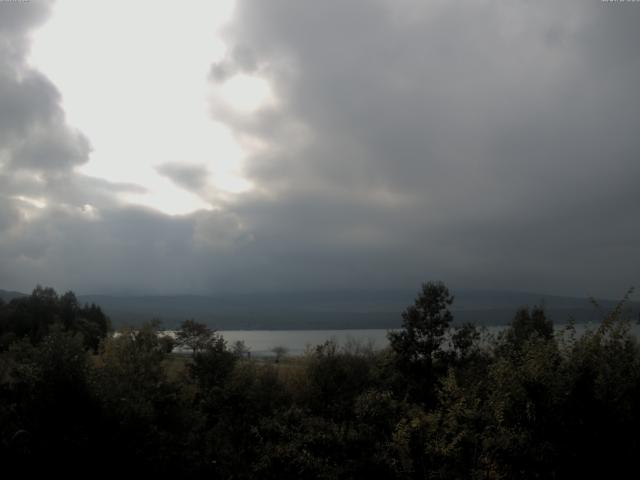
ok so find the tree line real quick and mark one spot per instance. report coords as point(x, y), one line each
point(443, 401)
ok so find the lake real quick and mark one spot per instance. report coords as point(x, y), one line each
point(260, 342)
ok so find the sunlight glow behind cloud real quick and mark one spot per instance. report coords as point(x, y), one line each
point(133, 79)
point(246, 93)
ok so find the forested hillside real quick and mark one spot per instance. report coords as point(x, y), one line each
point(358, 309)
point(441, 402)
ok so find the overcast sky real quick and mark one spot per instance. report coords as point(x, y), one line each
point(282, 145)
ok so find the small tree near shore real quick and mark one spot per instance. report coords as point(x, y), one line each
point(279, 352)
point(240, 349)
point(194, 335)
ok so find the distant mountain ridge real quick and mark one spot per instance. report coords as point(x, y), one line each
point(331, 310)
point(8, 295)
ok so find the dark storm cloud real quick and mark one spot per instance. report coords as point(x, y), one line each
point(488, 144)
point(125, 249)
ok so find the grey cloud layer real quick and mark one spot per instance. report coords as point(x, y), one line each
point(190, 177)
point(488, 144)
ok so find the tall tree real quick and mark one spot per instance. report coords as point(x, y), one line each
point(418, 344)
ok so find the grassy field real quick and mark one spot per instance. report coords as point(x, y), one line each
point(176, 364)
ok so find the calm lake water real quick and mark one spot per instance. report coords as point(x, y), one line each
point(260, 342)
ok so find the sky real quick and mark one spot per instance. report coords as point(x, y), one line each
point(165, 147)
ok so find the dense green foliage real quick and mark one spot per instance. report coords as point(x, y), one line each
point(33, 317)
point(441, 402)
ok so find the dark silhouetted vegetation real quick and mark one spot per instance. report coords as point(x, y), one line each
point(442, 402)
point(32, 318)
